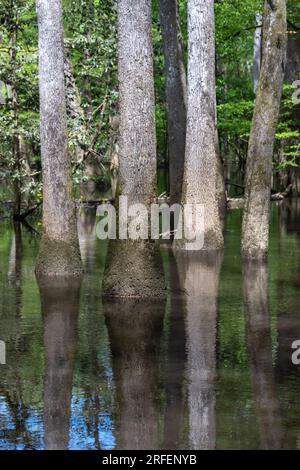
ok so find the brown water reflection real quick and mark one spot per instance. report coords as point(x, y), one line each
point(199, 278)
point(134, 330)
point(210, 368)
point(259, 348)
point(60, 306)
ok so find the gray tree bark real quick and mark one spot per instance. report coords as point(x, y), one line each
point(257, 50)
point(220, 183)
point(143, 276)
point(255, 232)
point(73, 104)
point(136, 90)
point(201, 159)
point(59, 249)
point(175, 94)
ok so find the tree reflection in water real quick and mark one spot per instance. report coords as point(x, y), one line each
point(60, 306)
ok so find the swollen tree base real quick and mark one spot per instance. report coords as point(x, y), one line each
point(213, 242)
point(58, 258)
point(134, 270)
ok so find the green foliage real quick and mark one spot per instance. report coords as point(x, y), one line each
point(90, 34)
point(91, 38)
point(288, 134)
point(235, 118)
point(19, 120)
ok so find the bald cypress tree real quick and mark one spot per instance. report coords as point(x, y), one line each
point(134, 266)
point(255, 236)
point(201, 156)
point(59, 249)
point(175, 94)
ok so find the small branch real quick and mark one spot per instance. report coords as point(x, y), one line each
point(235, 185)
point(95, 202)
point(237, 33)
point(29, 227)
point(87, 153)
point(238, 203)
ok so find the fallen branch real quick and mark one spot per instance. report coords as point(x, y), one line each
point(235, 185)
point(95, 202)
point(238, 203)
point(282, 195)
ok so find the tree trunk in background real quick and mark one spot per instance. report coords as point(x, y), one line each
point(14, 108)
point(88, 14)
point(113, 154)
point(201, 159)
point(257, 51)
point(292, 69)
point(255, 232)
point(175, 94)
point(143, 276)
point(59, 249)
point(90, 166)
point(73, 105)
point(221, 186)
point(220, 183)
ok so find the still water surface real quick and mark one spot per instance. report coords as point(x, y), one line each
point(210, 368)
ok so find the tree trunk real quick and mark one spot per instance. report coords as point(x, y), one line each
point(257, 50)
point(143, 276)
point(73, 105)
point(14, 108)
point(59, 251)
point(285, 175)
point(255, 233)
point(175, 94)
point(293, 58)
point(201, 160)
point(220, 184)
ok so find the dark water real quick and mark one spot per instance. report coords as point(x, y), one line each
point(210, 368)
